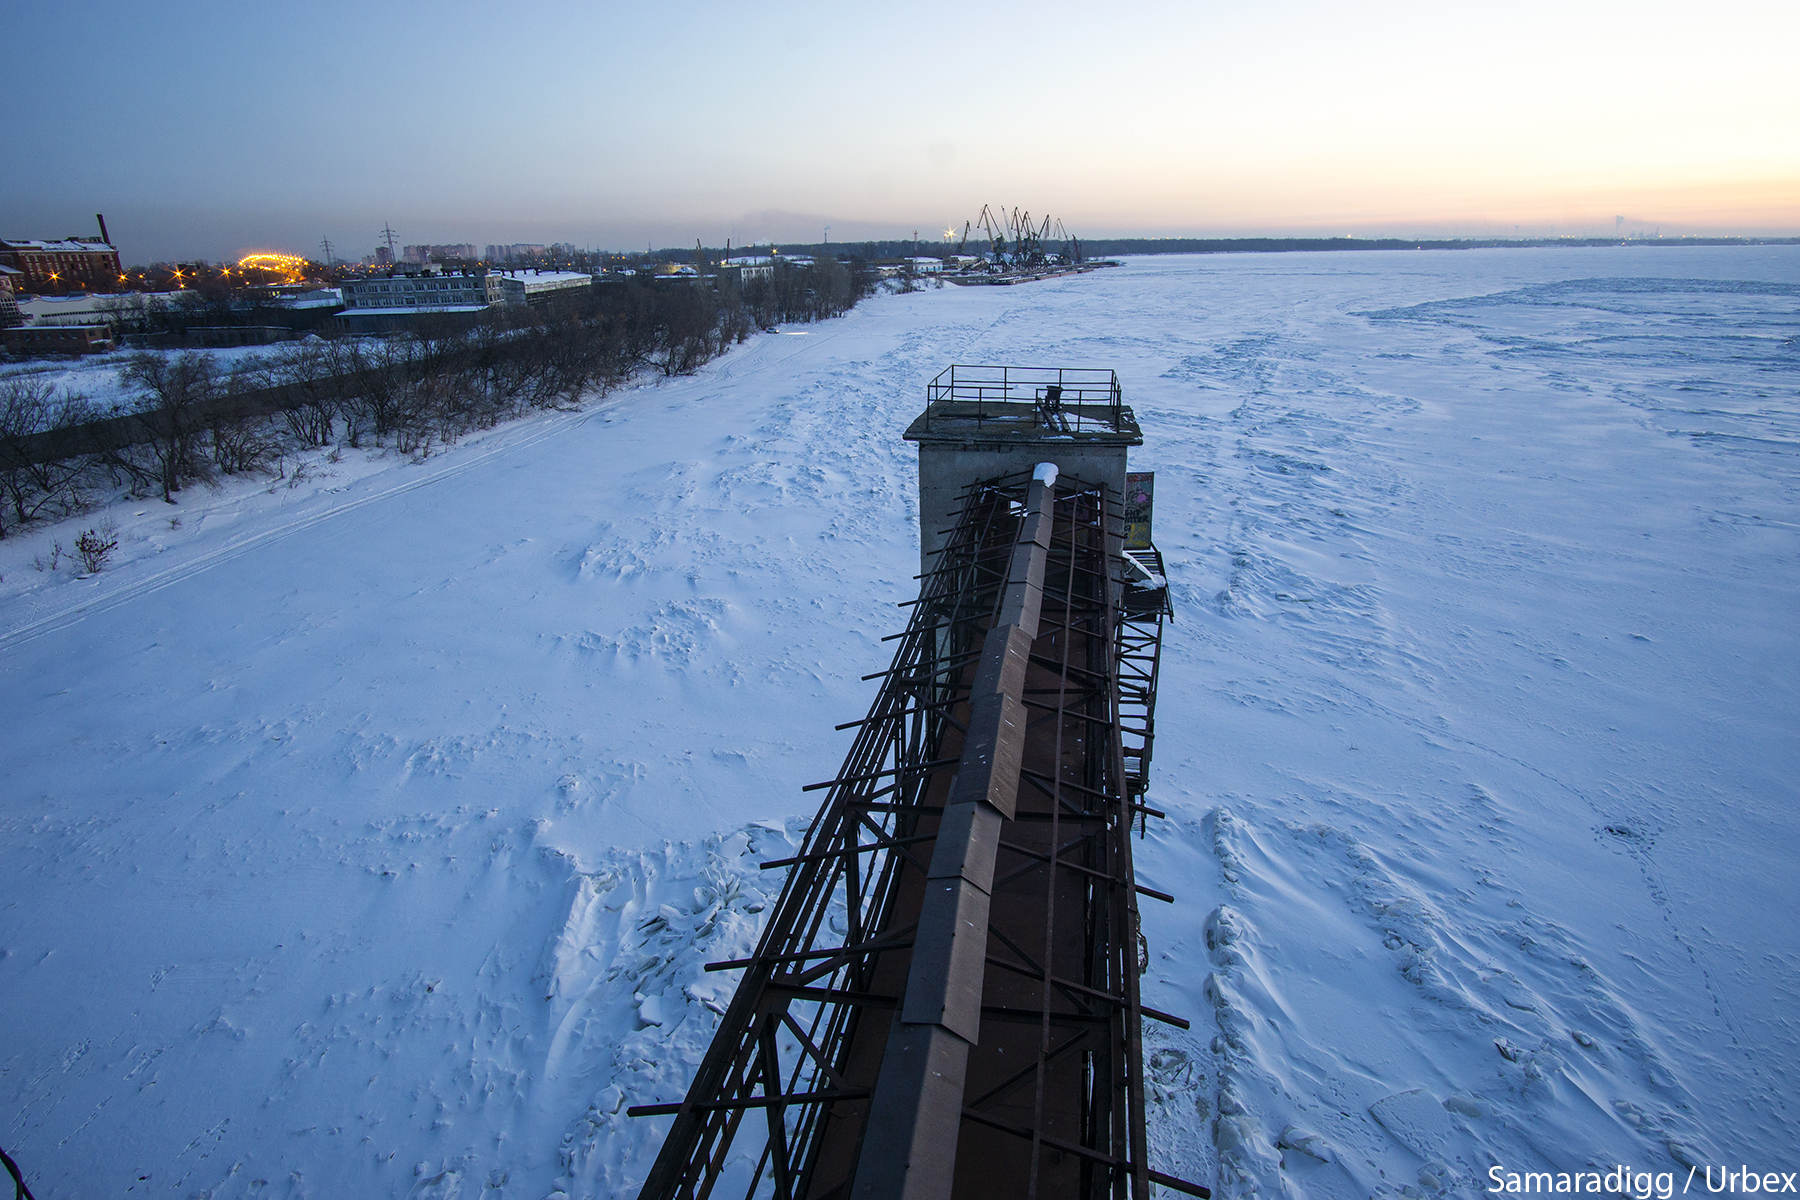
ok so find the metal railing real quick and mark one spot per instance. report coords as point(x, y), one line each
point(1064, 399)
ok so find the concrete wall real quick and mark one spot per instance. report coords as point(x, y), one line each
point(946, 468)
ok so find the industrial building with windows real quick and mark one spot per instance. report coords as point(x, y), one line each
point(430, 291)
point(394, 303)
point(58, 339)
point(68, 265)
point(538, 287)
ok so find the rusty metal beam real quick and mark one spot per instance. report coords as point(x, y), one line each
point(909, 1151)
point(1016, 715)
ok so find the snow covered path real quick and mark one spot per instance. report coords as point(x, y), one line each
point(366, 838)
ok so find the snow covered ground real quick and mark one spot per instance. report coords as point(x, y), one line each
point(366, 833)
point(97, 378)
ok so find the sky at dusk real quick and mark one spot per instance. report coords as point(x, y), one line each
point(208, 130)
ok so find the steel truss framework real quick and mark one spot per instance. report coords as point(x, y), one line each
point(1053, 1099)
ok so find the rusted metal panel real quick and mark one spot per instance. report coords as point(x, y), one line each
point(1005, 653)
point(909, 1144)
point(948, 961)
point(989, 772)
point(968, 839)
point(1037, 529)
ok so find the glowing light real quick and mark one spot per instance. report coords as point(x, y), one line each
point(290, 267)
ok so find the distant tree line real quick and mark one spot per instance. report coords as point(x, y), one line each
point(1103, 247)
point(193, 419)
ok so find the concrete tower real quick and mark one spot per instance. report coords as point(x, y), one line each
point(980, 422)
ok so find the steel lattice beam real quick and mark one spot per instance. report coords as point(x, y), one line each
point(1026, 621)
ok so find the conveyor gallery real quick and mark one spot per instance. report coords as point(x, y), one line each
point(944, 1002)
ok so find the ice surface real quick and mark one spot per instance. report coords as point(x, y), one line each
point(367, 832)
point(1417, 1121)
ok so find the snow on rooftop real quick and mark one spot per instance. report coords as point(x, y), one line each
point(63, 305)
point(59, 246)
point(551, 276)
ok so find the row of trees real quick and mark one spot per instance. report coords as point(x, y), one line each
point(194, 420)
point(794, 294)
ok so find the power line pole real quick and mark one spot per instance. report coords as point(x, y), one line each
point(388, 233)
point(325, 244)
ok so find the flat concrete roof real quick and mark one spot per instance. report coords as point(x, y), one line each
point(1014, 422)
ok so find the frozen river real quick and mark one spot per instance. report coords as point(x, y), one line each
point(366, 836)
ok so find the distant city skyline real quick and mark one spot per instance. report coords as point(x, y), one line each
point(210, 130)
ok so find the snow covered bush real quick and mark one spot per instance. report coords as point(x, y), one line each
point(94, 548)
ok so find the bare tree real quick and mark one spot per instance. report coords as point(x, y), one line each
point(32, 485)
point(689, 320)
point(311, 405)
point(178, 390)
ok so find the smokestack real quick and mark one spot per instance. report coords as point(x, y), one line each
point(101, 217)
